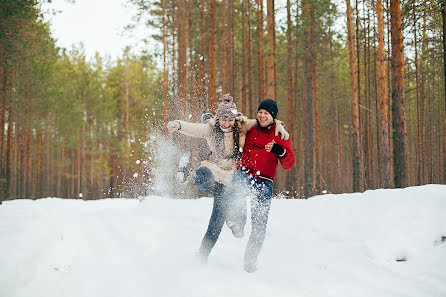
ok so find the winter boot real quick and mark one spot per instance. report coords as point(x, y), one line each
point(250, 267)
point(237, 229)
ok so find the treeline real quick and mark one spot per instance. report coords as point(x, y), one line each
point(70, 127)
point(360, 84)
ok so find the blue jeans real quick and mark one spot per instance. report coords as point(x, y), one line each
point(261, 192)
point(205, 182)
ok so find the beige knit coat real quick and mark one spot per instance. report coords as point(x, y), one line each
point(220, 166)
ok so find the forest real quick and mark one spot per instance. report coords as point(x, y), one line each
point(360, 86)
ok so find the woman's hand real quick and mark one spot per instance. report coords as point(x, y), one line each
point(280, 129)
point(173, 126)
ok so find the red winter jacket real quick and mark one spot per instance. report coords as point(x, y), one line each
point(256, 160)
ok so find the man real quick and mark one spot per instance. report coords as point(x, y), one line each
point(256, 169)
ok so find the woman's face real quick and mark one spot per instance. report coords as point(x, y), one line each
point(264, 118)
point(226, 125)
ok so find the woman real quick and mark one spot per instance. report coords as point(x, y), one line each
point(256, 169)
point(225, 135)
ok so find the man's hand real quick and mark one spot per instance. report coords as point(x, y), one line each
point(275, 148)
point(269, 146)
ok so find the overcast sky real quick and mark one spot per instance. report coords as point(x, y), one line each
point(99, 24)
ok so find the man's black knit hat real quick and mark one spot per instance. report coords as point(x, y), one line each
point(270, 106)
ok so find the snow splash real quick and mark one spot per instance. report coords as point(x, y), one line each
point(167, 177)
point(164, 166)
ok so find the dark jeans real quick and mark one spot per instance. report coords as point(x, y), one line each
point(205, 182)
point(261, 192)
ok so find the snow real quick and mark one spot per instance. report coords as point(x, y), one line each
point(330, 245)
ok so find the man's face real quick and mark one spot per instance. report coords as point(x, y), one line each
point(264, 117)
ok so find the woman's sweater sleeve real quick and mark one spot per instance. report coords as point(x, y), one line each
point(195, 129)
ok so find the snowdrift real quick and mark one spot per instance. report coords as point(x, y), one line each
point(377, 243)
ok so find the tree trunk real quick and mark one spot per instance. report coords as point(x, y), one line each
point(126, 108)
point(318, 167)
point(290, 89)
point(368, 170)
point(385, 162)
point(443, 14)
point(201, 77)
point(250, 108)
point(182, 60)
point(419, 103)
point(398, 102)
point(193, 84)
point(357, 174)
point(244, 102)
point(260, 51)
point(298, 107)
point(165, 75)
point(231, 51)
point(336, 178)
point(271, 78)
point(3, 90)
point(212, 90)
point(307, 15)
point(377, 109)
point(8, 174)
point(39, 164)
point(423, 96)
point(389, 89)
point(78, 172)
point(358, 36)
point(224, 78)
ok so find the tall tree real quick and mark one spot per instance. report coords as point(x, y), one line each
point(224, 73)
point(271, 66)
point(243, 62)
point(336, 176)
point(385, 161)
point(212, 90)
point(231, 49)
point(398, 101)
point(309, 62)
point(357, 172)
point(290, 86)
point(317, 130)
point(165, 74)
point(377, 103)
point(419, 102)
point(182, 59)
point(250, 108)
point(260, 51)
point(368, 170)
point(201, 71)
point(443, 14)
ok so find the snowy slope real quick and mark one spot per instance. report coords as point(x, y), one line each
point(332, 245)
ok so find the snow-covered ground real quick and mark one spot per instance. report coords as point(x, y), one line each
point(332, 245)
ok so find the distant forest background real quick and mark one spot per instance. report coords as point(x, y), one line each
point(360, 86)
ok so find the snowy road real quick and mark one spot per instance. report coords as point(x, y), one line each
point(334, 245)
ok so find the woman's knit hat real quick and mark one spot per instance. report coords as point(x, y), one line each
point(227, 108)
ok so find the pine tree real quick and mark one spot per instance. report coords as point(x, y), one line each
point(398, 101)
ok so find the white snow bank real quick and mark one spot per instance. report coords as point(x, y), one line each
point(331, 245)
